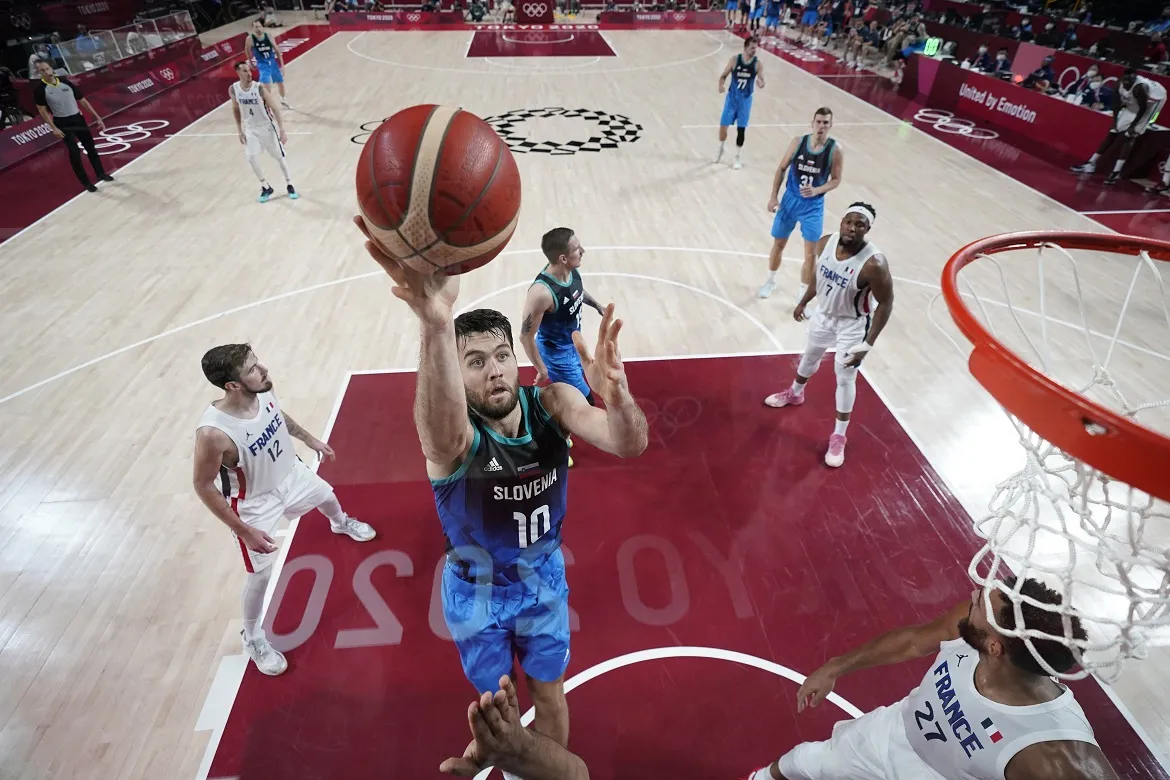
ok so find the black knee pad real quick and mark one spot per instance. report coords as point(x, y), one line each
point(740, 132)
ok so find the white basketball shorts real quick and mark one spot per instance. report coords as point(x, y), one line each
point(262, 139)
point(1126, 118)
point(301, 491)
point(826, 331)
point(872, 747)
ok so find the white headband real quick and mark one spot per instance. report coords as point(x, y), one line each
point(863, 211)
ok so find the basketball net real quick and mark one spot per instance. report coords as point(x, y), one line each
point(1102, 544)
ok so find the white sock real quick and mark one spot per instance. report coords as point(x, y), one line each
point(1117, 166)
point(763, 774)
point(331, 508)
point(1093, 160)
point(798, 387)
point(840, 426)
point(252, 601)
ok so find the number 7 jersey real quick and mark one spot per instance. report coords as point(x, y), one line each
point(502, 509)
point(264, 446)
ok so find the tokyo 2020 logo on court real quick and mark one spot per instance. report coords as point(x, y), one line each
point(535, 9)
point(119, 138)
point(604, 130)
point(945, 122)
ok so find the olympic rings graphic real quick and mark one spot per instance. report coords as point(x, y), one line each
point(680, 17)
point(535, 9)
point(1076, 76)
point(945, 122)
point(675, 413)
point(413, 17)
point(118, 138)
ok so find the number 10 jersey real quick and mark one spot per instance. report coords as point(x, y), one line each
point(502, 509)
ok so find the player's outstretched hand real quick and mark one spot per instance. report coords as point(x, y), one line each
point(497, 735)
point(816, 687)
point(604, 370)
point(431, 296)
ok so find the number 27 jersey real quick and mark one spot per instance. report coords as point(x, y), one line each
point(502, 509)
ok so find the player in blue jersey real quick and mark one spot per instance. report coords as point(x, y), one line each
point(747, 72)
point(269, 59)
point(552, 313)
point(497, 459)
point(756, 15)
point(772, 16)
point(814, 165)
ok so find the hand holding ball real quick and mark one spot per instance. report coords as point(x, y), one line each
point(438, 189)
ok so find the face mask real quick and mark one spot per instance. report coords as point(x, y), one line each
point(1001, 57)
point(982, 49)
point(1095, 85)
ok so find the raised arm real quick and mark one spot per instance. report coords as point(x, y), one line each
point(538, 301)
point(1060, 760)
point(590, 301)
point(620, 428)
point(440, 402)
point(892, 647)
point(248, 46)
point(778, 179)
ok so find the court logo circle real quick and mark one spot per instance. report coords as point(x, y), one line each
point(535, 9)
point(118, 138)
point(413, 17)
point(945, 122)
point(606, 131)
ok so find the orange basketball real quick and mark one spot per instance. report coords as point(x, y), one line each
point(438, 189)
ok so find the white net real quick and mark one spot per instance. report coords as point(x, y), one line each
point(1097, 323)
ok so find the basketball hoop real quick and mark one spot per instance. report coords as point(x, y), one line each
point(1077, 515)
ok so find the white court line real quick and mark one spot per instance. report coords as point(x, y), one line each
point(1129, 211)
point(125, 167)
point(719, 653)
point(182, 134)
point(542, 68)
point(505, 37)
point(646, 359)
point(368, 274)
point(609, 43)
point(806, 124)
point(853, 76)
point(568, 71)
point(467, 49)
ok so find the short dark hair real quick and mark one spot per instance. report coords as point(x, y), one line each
point(864, 205)
point(222, 364)
point(1129, 75)
point(823, 111)
point(750, 39)
point(244, 63)
point(1054, 652)
point(555, 243)
point(470, 323)
point(1001, 48)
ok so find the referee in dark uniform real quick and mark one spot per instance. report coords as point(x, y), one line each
point(57, 100)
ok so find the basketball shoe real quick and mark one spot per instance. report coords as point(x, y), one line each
point(267, 658)
point(292, 193)
point(836, 454)
point(355, 529)
point(265, 194)
point(788, 397)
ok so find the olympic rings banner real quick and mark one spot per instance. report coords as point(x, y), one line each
point(533, 11)
point(665, 19)
point(957, 96)
point(403, 19)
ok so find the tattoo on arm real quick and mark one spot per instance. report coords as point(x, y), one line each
point(526, 326)
point(296, 431)
point(591, 301)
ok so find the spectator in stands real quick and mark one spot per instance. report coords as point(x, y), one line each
point(1068, 40)
point(1023, 32)
point(1159, 25)
point(40, 52)
point(1049, 37)
point(871, 43)
point(1084, 82)
point(85, 43)
point(477, 11)
point(60, 104)
point(982, 60)
point(1042, 78)
point(1096, 95)
point(338, 7)
point(1156, 51)
point(1003, 66)
point(11, 113)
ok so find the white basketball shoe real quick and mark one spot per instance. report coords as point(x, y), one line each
point(836, 453)
point(267, 658)
point(355, 529)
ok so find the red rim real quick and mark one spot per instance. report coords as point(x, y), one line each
point(1118, 446)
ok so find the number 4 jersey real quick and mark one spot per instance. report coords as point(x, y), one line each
point(502, 509)
point(964, 736)
point(266, 454)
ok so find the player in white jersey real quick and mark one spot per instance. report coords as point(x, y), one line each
point(850, 275)
point(1139, 101)
point(986, 709)
point(248, 474)
point(261, 127)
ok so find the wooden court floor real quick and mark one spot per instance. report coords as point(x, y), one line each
point(119, 593)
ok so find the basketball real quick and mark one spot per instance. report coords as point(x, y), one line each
point(438, 189)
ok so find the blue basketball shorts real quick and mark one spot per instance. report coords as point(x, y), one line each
point(810, 18)
point(563, 364)
point(772, 21)
point(809, 212)
point(731, 5)
point(758, 13)
point(736, 110)
point(269, 72)
point(492, 623)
